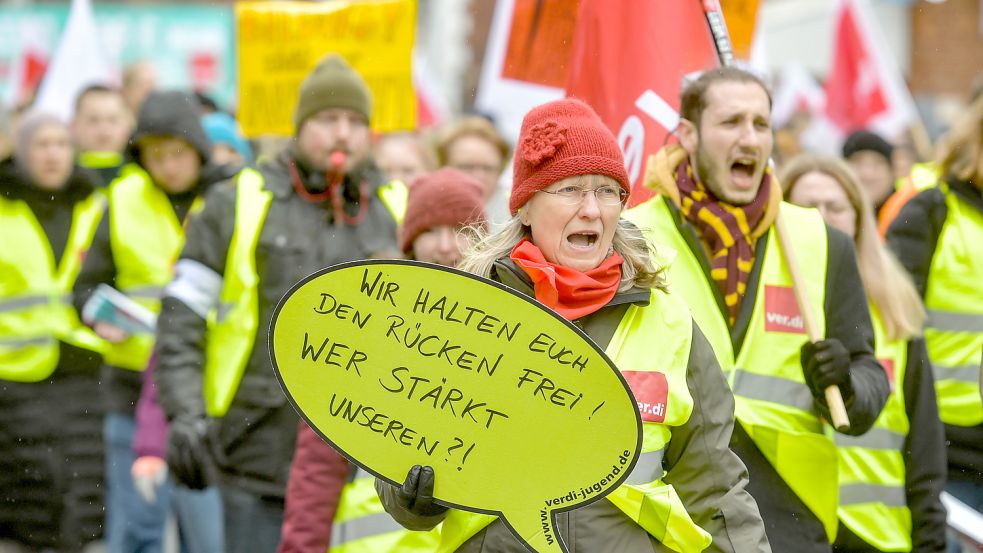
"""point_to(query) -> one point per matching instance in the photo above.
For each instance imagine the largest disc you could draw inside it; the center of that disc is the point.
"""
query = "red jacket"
(317, 477)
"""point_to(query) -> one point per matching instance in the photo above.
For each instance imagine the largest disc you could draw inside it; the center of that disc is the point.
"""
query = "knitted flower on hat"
(562, 139)
(542, 141)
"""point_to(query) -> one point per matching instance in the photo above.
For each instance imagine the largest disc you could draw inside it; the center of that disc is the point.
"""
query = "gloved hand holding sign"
(405, 367)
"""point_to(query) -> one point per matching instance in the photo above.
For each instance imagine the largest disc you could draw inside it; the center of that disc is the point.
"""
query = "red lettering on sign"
(781, 312)
(651, 391)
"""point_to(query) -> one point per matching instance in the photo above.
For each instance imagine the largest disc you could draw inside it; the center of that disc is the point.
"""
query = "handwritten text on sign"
(281, 42)
(401, 363)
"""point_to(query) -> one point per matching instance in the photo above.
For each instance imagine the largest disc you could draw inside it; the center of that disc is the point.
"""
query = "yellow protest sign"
(280, 42)
(399, 363)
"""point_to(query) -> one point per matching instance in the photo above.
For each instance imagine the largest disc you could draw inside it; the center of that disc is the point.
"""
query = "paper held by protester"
(401, 363)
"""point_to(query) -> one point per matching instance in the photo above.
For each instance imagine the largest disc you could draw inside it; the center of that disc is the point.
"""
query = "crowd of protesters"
(177, 437)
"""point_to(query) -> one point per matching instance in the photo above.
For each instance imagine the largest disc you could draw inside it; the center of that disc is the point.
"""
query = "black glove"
(826, 363)
(416, 494)
(187, 452)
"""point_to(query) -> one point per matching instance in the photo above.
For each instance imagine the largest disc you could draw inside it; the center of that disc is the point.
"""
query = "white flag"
(79, 61)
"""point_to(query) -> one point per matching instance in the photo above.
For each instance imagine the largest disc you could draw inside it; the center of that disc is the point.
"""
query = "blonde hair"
(471, 125)
(889, 287)
(960, 151)
(638, 270)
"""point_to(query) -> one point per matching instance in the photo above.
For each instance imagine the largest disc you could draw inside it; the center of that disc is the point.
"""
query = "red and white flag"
(628, 62)
(29, 66)
(864, 88)
(78, 62)
(797, 92)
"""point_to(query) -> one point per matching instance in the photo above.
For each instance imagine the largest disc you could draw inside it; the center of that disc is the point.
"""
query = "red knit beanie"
(563, 139)
(445, 197)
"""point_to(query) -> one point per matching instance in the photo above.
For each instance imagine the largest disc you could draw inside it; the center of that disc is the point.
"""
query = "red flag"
(629, 59)
(864, 89)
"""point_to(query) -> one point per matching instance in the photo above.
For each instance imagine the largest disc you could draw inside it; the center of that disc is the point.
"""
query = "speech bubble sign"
(401, 363)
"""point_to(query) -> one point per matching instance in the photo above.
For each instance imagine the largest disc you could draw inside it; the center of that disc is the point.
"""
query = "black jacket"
(173, 114)
(122, 386)
(253, 444)
(51, 468)
(792, 526)
(914, 236)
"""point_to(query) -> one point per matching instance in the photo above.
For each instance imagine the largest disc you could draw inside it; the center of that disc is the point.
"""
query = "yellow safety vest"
(100, 160)
(873, 501)
(362, 524)
(773, 402)
(644, 497)
(146, 237)
(954, 301)
(395, 194)
(232, 325)
(36, 310)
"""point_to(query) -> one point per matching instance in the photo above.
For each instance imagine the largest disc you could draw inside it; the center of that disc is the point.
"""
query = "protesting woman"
(567, 247)
(890, 477)
(51, 469)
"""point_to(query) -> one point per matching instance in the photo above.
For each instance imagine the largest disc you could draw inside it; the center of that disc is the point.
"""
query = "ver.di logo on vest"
(651, 391)
(781, 311)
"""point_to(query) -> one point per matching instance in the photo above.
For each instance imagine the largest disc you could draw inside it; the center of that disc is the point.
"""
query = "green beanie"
(332, 84)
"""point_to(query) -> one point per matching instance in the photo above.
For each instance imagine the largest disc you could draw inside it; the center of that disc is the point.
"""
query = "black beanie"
(859, 141)
(332, 84)
(174, 114)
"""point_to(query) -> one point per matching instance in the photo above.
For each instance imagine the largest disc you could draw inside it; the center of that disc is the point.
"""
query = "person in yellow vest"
(320, 202)
(714, 217)
(567, 246)
(937, 237)
(51, 468)
(134, 251)
(891, 477)
(923, 176)
(101, 127)
(331, 504)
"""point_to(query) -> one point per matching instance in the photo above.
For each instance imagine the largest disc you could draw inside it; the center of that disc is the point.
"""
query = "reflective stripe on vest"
(36, 310)
(873, 502)
(645, 498)
(394, 195)
(146, 238)
(232, 328)
(362, 524)
(773, 403)
(954, 330)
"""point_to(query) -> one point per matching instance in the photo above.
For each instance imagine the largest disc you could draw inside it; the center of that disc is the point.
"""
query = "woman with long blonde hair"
(888, 500)
(567, 247)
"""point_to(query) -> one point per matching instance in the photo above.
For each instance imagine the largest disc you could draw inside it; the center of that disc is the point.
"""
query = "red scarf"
(725, 230)
(567, 291)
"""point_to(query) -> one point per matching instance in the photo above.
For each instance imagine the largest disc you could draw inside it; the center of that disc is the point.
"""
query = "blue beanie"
(221, 128)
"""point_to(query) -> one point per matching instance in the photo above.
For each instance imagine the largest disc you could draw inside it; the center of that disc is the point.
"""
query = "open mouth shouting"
(583, 240)
(743, 171)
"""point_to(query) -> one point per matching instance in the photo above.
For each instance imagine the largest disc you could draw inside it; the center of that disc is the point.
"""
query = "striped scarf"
(724, 230)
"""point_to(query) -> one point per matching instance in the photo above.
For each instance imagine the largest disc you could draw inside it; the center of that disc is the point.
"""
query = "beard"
(714, 178)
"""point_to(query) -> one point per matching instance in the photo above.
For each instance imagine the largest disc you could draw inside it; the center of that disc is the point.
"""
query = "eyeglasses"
(605, 195)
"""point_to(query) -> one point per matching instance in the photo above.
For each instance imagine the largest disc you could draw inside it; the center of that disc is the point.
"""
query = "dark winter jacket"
(914, 236)
(163, 114)
(708, 477)
(317, 477)
(51, 466)
(253, 443)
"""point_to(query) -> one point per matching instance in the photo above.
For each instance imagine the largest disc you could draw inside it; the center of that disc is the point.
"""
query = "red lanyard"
(335, 194)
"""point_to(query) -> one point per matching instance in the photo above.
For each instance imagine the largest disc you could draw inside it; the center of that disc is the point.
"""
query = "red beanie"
(563, 139)
(445, 197)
